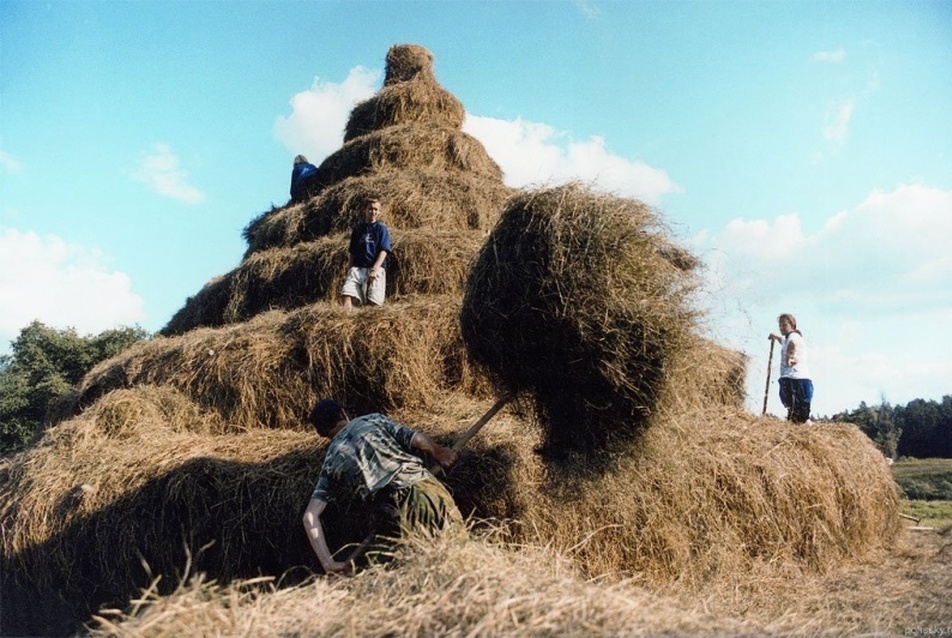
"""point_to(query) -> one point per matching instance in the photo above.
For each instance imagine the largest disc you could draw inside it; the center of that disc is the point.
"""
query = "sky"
(802, 149)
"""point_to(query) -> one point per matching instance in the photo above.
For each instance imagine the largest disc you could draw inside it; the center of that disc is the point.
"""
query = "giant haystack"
(190, 448)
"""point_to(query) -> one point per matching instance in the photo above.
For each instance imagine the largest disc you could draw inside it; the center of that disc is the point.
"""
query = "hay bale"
(284, 278)
(408, 146)
(267, 372)
(714, 493)
(575, 299)
(412, 199)
(275, 227)
(717, 494)
(407, 102)
(90, 518)
(407, 62)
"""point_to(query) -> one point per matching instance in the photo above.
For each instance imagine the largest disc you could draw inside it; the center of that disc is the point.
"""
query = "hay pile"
(192, 444)
(579, 298)
(269, 371)
(441, 193)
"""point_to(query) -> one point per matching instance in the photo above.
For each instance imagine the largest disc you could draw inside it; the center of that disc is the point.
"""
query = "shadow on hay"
(229, 520)
(224, 514)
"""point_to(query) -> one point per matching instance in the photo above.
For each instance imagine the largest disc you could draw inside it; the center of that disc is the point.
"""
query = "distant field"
(926, 486)
(924, 479)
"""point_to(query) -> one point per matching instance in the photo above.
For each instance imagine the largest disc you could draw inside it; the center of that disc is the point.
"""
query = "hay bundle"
(267, 372)
(574, 298)
(406, 102)
(414, 198)
(715, 494)
(406, 62)
(422, 262)
(712, 493)
(83, 511)
(408, 146)
(719, 492)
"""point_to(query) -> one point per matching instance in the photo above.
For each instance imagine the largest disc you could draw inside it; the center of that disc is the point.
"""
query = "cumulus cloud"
(315, 127)
(160, 170)
(530, 153)
(876, 274)
(836, 55)
(61, 284)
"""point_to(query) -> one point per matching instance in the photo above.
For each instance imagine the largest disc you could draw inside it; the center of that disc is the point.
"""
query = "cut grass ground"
(926, 486)
(937, 514)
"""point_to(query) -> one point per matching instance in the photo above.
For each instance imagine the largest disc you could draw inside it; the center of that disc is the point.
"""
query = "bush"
(45, 366)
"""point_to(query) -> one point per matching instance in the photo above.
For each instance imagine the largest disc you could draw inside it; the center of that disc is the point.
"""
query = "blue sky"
(803, 149)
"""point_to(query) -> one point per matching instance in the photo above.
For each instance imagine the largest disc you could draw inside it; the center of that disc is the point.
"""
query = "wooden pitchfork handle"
(436, 469)
(769, 366)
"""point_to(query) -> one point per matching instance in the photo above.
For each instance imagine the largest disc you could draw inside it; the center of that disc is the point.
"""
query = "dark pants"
(796, 395)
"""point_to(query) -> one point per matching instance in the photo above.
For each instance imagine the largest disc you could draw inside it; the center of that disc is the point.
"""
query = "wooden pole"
(769, 365)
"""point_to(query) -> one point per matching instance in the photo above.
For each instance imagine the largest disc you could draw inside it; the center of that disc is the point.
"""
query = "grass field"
(927, 490)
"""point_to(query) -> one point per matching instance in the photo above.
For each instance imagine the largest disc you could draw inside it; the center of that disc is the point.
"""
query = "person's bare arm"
(375, 268)
(445, 456)
(315, 534)
(791, 353)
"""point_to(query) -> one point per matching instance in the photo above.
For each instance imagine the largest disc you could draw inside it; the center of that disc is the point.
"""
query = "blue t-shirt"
(366, 241)
(300, 175)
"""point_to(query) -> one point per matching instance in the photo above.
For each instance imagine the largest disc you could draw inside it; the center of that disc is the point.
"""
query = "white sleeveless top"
(801, 369)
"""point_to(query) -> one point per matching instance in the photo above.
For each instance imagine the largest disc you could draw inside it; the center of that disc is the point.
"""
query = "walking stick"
(769, 365)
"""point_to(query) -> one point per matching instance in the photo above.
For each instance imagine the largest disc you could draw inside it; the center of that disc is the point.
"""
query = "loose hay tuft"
(574, 298)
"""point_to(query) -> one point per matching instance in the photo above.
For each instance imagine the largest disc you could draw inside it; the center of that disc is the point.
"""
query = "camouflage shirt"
(368, 454)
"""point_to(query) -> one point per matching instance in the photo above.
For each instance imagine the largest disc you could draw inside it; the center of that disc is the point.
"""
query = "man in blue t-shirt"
(302, 179)
(366, 280)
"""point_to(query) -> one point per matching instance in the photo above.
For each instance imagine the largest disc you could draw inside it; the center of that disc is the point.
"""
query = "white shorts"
(357, 285)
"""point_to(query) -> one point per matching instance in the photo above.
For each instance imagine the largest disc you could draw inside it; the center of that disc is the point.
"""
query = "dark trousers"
(796, 395)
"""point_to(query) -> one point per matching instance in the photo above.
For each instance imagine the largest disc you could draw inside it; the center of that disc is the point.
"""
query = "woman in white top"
(796, 387)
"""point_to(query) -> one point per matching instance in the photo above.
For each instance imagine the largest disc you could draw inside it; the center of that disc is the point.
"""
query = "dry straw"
(194, 445)
(406, 102)
(268, 371)
(412, 199)
(422, 263)
(575, 298)
(420, 145)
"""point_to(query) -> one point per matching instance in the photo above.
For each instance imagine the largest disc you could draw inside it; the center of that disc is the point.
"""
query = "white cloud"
(319, 115)
(838, 122)
(159, 169)
(837, 55)
(871, 289)
(532, 153)
(63, 285)
(529, 153)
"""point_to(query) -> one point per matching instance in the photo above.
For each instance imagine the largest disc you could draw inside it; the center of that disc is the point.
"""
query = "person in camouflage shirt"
(372, 459)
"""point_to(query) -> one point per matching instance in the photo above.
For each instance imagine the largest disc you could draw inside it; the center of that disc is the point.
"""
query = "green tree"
(878, 423)
(45, 366)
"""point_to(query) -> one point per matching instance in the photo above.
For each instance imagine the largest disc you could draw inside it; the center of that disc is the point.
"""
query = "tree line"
(921, 428)
(47, 364)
